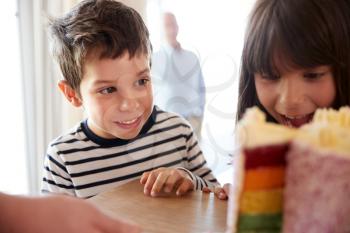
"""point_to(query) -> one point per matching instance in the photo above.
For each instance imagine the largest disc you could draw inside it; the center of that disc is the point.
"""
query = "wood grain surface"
(192, 213)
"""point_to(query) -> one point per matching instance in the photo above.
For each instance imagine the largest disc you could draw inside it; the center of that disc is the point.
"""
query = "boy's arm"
(197, 168)
(56, 178)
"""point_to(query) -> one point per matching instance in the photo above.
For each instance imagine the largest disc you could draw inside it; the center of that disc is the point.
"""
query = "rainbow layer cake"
(293, 180)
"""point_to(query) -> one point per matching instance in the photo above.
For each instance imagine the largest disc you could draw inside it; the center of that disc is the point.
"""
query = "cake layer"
(265, 156)
(317, 191)
(263, 178)
(261, 202)
(259, 222)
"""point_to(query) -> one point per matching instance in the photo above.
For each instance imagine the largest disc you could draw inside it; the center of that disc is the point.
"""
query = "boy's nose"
(128, 104)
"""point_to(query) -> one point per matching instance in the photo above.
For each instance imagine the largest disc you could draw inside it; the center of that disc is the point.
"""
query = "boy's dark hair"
(105, 27)
(305, 33)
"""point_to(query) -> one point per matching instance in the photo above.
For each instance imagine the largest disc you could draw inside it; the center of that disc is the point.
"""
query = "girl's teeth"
(296, 117)
(297, 121)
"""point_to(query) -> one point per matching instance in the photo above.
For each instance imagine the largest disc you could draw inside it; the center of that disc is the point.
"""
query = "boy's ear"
(71, 95)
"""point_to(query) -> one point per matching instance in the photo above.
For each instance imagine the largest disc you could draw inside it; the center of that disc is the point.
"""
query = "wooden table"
(193, 213)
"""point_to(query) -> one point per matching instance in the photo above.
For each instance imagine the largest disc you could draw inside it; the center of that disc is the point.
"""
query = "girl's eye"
(271, 77)
(142, 82)
(313, 75)
(108, 90)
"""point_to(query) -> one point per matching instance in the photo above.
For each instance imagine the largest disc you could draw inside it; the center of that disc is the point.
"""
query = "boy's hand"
(221, 193)
(167, 180)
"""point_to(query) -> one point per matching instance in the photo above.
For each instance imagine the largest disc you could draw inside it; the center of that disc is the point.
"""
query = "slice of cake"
(286, 177)
(317, 189)
(260, 172)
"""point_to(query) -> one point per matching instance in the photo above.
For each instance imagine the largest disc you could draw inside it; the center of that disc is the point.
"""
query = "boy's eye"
(142, 82)
(313, 75)
(108, 90)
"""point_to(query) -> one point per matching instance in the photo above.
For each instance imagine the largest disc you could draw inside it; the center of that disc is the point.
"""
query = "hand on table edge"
(221, 193)
(167, 180)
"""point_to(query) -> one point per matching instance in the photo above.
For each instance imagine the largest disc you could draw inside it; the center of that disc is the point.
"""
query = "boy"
(103, 50)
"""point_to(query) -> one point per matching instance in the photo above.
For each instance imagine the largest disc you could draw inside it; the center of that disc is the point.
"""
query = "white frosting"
(253, 130)
(332, 117)
(330, 129)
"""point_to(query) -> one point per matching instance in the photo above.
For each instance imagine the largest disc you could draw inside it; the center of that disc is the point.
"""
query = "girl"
(296, 58)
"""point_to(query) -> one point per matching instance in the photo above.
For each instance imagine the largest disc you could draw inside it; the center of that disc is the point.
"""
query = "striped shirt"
(82, 164)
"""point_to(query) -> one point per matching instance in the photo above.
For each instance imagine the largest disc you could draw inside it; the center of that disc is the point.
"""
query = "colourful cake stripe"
(266, 201)
(264, 178)
(259, 222)
(261, 201)
(265, 156)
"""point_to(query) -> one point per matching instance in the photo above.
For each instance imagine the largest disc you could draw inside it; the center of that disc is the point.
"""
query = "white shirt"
(178, 81)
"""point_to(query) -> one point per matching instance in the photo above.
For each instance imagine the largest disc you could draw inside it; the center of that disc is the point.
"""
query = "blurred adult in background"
(178, 80)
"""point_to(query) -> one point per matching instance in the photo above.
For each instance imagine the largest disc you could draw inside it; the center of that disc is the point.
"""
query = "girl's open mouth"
(296, 121)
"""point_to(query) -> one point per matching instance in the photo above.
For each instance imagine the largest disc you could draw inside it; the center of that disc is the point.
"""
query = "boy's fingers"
(185, 186)
(206, 190)
(220, 193)
(172, 180)
(159, 183)
(149, 184)
(227, 188)
(144, 177)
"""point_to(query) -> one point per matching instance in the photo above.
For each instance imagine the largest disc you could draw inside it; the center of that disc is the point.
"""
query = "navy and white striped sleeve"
(197, 168)
(56, 178)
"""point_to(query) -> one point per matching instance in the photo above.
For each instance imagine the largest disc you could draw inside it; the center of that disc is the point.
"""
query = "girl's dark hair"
(304, 33)
(102, 28)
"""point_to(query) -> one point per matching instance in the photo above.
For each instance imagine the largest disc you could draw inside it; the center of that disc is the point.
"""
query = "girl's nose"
(291, 92)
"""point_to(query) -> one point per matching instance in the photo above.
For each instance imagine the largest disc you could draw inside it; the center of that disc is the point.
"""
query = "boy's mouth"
(296, 121)
(127, 124)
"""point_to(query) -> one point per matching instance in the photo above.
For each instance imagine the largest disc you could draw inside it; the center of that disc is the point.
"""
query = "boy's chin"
(128, 136)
